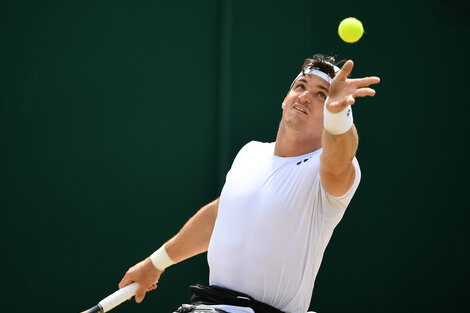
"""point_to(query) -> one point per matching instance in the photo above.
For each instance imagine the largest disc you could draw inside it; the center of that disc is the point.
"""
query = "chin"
(297, 125)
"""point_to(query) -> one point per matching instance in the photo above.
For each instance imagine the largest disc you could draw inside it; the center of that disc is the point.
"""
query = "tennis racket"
(114, 299)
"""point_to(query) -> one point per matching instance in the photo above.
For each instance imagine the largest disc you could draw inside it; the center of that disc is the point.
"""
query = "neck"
(290, 143)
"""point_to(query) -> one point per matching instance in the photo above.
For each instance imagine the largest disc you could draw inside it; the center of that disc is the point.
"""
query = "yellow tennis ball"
(350, 29)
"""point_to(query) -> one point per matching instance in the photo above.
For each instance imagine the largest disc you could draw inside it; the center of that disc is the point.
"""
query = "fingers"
(345, 70)
(364, 92)
(152, 287)
(140, 294)
(343, 90)
(366, 81)
(125, 281)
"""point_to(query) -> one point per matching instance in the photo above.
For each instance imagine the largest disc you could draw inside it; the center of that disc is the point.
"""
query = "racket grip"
(95, 309)
(118, 297)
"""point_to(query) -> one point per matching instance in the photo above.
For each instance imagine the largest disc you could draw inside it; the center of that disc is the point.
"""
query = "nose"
(305, 97)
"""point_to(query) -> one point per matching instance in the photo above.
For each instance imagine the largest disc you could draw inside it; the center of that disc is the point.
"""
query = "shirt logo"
(298, 163)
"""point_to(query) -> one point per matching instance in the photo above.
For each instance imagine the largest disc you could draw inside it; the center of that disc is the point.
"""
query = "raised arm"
(339, 145)
(191, 240)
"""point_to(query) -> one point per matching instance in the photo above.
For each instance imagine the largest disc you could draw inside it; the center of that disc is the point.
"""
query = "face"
(303, 106)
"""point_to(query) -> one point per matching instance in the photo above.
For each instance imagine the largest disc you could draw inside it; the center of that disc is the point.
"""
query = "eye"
(300, 86)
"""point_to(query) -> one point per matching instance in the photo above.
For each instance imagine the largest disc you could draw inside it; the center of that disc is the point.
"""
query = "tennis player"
(281, 201)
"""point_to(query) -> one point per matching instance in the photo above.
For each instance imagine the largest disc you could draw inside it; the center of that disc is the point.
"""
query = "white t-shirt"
(274, 222)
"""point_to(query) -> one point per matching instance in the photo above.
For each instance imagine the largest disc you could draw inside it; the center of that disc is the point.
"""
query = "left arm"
(336, 168)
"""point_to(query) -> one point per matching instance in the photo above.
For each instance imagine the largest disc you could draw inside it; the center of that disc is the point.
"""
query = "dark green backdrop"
(119, 119)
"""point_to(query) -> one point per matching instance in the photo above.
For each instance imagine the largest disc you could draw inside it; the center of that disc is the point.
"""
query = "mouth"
(296, 107)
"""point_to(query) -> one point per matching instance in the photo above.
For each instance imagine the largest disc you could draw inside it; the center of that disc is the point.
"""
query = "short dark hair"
(323, 63)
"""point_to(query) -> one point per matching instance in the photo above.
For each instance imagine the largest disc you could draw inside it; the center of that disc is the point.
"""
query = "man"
(281, 201)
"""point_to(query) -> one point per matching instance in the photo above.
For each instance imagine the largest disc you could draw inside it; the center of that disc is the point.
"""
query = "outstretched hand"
(144, 273)
(344, 90)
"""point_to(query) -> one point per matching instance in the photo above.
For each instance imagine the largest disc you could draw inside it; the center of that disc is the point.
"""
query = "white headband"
(311, 71)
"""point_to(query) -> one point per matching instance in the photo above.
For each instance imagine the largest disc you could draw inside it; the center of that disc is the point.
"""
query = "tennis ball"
(350, 29)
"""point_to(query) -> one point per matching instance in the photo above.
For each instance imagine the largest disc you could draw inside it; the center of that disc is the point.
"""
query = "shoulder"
(256, 147)
(254, 151)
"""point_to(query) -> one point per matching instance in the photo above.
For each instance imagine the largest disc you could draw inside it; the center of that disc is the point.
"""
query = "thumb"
(125, 281)
(345, 70)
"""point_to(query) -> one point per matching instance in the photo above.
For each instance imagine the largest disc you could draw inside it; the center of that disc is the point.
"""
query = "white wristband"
(337, 123)
(160, 259)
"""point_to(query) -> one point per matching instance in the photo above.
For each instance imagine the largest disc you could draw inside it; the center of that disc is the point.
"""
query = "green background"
(119, 119)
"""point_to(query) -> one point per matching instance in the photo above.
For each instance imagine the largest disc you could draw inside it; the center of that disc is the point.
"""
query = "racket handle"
(118, 297)
(114, 299)
(95, 309)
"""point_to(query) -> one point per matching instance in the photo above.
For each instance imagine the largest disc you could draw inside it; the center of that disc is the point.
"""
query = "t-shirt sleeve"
(335, 206)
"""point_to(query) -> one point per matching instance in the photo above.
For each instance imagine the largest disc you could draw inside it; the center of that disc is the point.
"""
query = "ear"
(284, 102)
